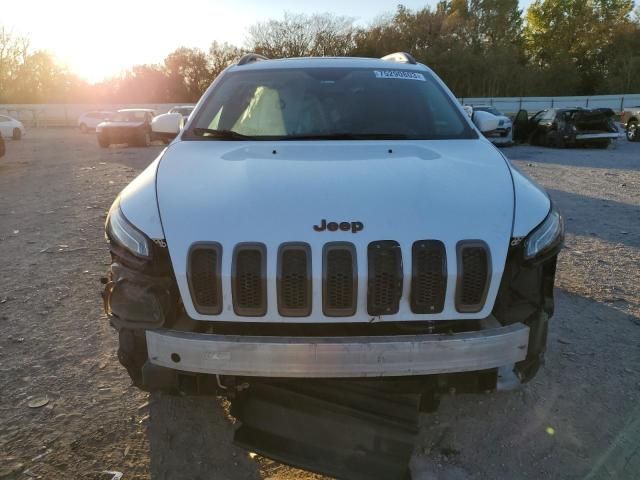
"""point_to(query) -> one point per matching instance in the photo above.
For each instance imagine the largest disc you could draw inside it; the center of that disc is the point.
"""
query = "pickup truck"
(331, 218)
(630, 120)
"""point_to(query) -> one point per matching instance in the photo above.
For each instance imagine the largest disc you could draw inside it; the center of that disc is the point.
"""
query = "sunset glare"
(97, 40)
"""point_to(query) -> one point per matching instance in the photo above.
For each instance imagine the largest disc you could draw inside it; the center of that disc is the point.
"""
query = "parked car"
(630, 120)
(567, 127)
(11, 128)
(131, 126)
(184, 110)
(2, 146)
(90, 120)
(331, 218)
(503, 135)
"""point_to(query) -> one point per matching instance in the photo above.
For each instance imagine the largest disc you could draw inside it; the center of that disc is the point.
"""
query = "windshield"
(491, 110)
(321, 103)
(184, 111)
(131, 116)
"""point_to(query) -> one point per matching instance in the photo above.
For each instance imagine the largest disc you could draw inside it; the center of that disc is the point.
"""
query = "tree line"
(480, 48)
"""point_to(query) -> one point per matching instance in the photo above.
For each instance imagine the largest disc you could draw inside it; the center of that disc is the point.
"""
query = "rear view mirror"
(485, 121)
(168, 124)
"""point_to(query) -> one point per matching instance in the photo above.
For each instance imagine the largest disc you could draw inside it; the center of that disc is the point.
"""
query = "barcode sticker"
(400, 75)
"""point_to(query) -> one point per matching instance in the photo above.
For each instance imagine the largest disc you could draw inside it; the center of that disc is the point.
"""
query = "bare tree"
(221, 55)
(299, 35)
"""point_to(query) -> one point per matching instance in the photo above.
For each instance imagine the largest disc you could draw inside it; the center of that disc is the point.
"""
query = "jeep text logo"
(355, 227)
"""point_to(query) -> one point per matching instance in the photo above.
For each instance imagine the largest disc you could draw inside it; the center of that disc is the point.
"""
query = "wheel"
(555, 139)
(17, 134)
(632, 131)
(103, 140)
(83, 128)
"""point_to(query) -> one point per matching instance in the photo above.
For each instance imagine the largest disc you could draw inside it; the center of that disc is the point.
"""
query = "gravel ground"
(580, 417)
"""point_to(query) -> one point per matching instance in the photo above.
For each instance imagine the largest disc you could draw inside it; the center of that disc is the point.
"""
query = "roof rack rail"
(400, 57)
(251, 58)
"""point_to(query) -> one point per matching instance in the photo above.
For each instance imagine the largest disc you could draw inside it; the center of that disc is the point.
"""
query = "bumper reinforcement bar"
(338, 357)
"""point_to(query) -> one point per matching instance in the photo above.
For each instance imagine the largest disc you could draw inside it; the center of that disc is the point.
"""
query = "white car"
(503, 135)
(331, 218)
(184, 110)
(90, 120)
(11, 128)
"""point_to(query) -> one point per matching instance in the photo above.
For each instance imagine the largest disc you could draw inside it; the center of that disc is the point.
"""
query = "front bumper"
(338, 357)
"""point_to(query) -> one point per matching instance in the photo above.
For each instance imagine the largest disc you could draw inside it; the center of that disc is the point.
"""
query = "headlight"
(547, 237)
(119, 230)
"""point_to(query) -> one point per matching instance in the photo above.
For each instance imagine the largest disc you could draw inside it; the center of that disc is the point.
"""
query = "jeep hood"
(275, 192)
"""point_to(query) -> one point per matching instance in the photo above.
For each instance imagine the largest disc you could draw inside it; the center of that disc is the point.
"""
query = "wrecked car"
(330, 235)
(130, 125)
(630, 120)
(567, 127)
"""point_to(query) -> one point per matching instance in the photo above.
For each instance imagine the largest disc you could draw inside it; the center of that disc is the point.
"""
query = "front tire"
(17, 134)
(103, 140)
(633, 133)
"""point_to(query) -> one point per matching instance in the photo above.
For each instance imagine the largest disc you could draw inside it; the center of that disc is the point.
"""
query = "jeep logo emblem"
(355, 227)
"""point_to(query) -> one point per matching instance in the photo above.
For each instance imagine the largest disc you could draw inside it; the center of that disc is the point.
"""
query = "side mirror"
(485, 121)
(167, 125)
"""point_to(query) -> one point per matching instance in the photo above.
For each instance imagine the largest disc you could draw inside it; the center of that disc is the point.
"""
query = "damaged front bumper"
(339, 357)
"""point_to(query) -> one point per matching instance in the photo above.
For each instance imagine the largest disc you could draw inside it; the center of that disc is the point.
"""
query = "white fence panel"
(510, 105)
(66, 115)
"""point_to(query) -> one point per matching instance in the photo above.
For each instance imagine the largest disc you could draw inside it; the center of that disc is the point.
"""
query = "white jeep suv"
(330, 218)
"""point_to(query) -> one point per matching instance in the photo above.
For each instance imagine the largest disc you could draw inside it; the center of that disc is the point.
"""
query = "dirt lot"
(580, 417)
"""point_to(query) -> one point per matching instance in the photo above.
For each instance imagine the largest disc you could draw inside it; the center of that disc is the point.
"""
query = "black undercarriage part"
(345, 429)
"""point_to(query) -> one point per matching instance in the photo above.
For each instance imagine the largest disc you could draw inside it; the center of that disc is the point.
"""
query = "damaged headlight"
(547, 237)
(119, 230)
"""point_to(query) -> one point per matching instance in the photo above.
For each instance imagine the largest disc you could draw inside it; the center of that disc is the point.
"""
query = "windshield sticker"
(400, 75)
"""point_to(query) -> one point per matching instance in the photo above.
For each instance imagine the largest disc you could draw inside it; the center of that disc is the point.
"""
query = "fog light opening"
(175, 357)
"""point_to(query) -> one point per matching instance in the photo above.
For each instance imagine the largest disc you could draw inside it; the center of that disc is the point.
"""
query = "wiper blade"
(348, 136)
(219, 134)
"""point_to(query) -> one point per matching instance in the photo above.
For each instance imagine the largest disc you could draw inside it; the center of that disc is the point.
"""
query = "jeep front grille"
(340, 282)
(249, 280)
(203, 275)
(473, 276)
(428, 276)
(385, 278)
(338, 288)
(294, 280)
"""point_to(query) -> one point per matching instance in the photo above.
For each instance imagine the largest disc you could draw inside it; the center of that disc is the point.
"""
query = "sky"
(99, 39)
